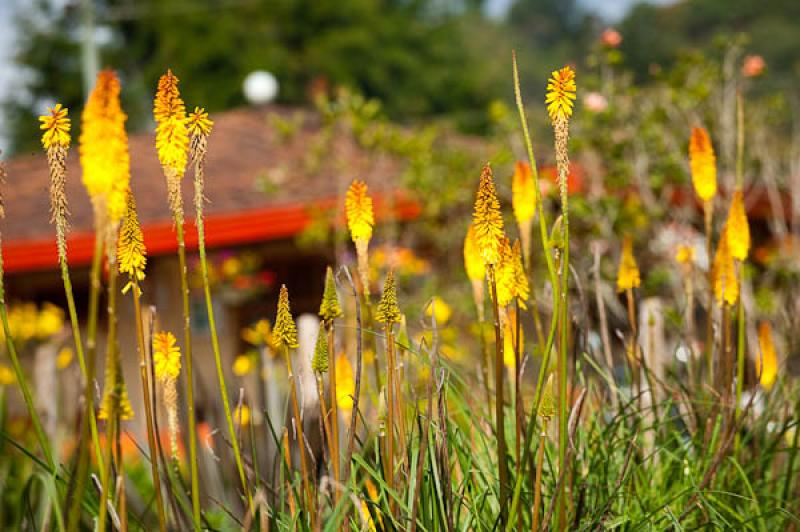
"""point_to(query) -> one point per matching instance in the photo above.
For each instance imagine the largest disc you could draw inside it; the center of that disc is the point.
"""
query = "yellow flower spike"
(166, 356)
(285, 331)
(738, 228)
(560, 97)
(198, 124)
(241, 415)
(487, 220)
(388, 311)
(319, 362)
(723, 272)
(703, 164)
(360, 220)
(330, 309)
(767, 360)
(56, 127)
(345, 383)
(172, 138)
(104, 148)
(628, 272)
(131, 253)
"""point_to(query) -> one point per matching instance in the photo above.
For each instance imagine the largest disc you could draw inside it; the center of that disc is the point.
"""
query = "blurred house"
(266, 186)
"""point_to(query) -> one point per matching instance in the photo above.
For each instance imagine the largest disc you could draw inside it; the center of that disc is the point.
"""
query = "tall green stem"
(212, 325)
(187, 340)
(301, 442)
(499, 373)
(111, 385)
(148, 406)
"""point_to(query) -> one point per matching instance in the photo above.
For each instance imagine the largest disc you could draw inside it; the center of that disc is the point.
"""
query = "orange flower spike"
(487, 220)
(104, 148)
(523, 193)
(738, 228)
(703, 164)
(360, 220)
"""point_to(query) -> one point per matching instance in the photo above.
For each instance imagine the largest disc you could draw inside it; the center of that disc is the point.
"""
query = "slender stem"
(20, 375)
(740, 357)
(187, 340)
(89, 420)
(95, 288)
(708, 210)
(564, 343)
(537, 491)
(148, 406)
(111, 385)
(298, 424)
(333, 442)
(390, 407)
(499, 374)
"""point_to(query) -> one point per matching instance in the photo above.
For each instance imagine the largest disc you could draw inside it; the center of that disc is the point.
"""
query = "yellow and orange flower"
(56, 127)
(358, 209)
(523, 193)
(473, 261)
(487, 220)
(703, 164)
(104, 148)
(131, 253)
(166, 356)
(560, 97)
(198, 123)
(738, 228)
(172, 137)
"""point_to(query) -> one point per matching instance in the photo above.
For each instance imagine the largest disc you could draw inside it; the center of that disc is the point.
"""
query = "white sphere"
(260, 87)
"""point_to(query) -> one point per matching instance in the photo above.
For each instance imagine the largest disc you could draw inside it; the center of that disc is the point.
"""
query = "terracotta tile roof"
(251, 168)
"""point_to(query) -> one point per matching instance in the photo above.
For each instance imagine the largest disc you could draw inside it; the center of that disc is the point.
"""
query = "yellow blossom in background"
(259, 334)
(56, 127)
(172, 137)
(166, 356)
(473, 261)
(561, 93)
(104, 147)
(6, 375)
(285, 331)
(358, 210)
(523, 192)
(198, 124)
(703, 164)
(738, 228)
(628, 272)
(49, 321)
(767, 360)
(487, 220)
(510, 340)
(242, 365)
(685, 254)
(241, 415)
(345, 383)
(723, 272)
(441, 310)
(131, 253)
(64, 357)
(403, 260)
